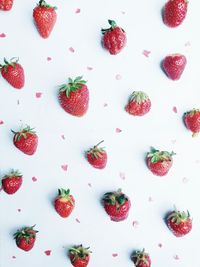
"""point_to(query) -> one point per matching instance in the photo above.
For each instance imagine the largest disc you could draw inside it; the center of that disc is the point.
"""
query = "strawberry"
(25, 238)
(117, 205)
(97, 156)
(74, 97)
(26, 140)
(114, 38)
(6, 5)
(179, 223)
(79, 256)
(45, 18)
(139, 104)
(141, 259)
(174, 12)
(174, 65)
(192, 121)
(159, 162)
(64, 203)
(13, 73)
(11, 182)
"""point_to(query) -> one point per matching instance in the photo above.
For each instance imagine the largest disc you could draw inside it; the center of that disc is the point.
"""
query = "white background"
(161, 128)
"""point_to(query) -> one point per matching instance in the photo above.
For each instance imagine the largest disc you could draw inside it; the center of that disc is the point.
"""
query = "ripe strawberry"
(117, 205)
(114, 38)
(192, 121)
(139, 104)
(159, 162)
(179, 223)
(74, 97)
(141, 259)
(97, 156)
(64, 203)
(6, 5)
(13, 73)
(174, 65)
(45, 18)
(11, 182)
(174, 12)
(25, 238)
(79, 256)
(26, 140)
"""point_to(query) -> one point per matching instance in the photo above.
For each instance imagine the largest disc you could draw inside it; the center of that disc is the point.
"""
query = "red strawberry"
(74, 97)
(192, 121)
(25, 238)
(6, 5)
(11, 182)
(13, 73)
(174, 12)
(97, 156)
(139, 104)
(45, 18)
(79, 256)
(117, 205)
(179, 223)
(64, 203)
(26, 140)
(174, 65)
(114, 38)
(159, 162)
(141, 259)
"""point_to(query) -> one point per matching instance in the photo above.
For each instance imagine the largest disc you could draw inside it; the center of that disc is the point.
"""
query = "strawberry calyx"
(42, 3)
(26, 232)
(64, 195)
(113, 25)
(79, 252)
(178, 217)
(96, 152)
(23, 132)
(13, 173)
(13, 61)
(140, 256)
(115, 198)
(139, 97)
(72, 85)
(157, 155)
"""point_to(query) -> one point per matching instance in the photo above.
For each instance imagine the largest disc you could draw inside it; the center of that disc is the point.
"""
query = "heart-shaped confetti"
(48, 252)
(34, 179)
(64, 167)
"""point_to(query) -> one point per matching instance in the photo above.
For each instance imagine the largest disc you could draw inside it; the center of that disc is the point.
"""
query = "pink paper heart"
(48, 252)
(34, 179)
(64, 167)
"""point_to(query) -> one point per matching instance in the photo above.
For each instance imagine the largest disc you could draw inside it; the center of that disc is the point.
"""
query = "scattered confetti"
(173, 141)
(115, 254)
(150, 199)
(71, 49)
(77, 10)
(62, 136)
(122, 175)
(105, 105)
(38, 94)
(118, 77)
(89, 68)
(160, 245)
(117, 130)
(175, 109)
(18, 102)
(2, 35)
(77, 220)
(13, 257)
(19, 210)
(176, 257)
(48, 252)
(188, 43)
(64, 167)
(49, 58)
(146, 53)
(123, 12)
(1, 122)
(135, 223)
(34, 179)
(185, 180)
(89, 184)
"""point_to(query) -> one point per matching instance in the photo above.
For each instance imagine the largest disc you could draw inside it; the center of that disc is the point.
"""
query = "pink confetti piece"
(118, 77)
(160, 245)
(174, 109)
(146, 53)
(38, 94)
(64, 167)
(47, 252)
(89, 68)
(2, 35)
(1, 122)
(185, 180)
(135, 223)
(13, 257)
(34, 179)
(150, 199)
(77, 220)
(19, 210)
(176, 257)
(78, 10)
(188, 43)
(49, 58)
(89, 184)
(115, 255)
(71, 49)
(122, 175)
(117, 130)
(62, 136)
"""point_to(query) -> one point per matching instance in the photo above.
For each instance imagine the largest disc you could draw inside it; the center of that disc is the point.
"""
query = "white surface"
(126, 150)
